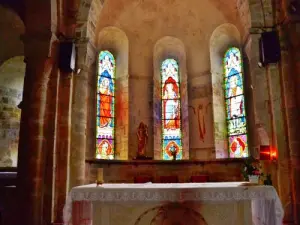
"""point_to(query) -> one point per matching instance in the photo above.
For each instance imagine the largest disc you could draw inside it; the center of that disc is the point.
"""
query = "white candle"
(100, 175)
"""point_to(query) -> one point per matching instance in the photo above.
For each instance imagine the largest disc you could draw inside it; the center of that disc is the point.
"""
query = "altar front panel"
(191, 213)
(182, 203)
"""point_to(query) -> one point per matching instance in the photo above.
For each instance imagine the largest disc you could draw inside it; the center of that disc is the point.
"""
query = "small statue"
(142, 135)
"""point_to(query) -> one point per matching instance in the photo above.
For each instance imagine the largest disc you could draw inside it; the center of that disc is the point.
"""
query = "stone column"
(31, 160)
(289, 75)
(63, 144)
(260, 92)
(79, 115)
(50, 135)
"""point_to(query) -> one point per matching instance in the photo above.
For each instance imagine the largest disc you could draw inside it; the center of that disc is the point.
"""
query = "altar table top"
(179, 192)
(223, 191)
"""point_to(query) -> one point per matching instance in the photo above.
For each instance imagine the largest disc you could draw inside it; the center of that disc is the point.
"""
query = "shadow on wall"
(11, 88)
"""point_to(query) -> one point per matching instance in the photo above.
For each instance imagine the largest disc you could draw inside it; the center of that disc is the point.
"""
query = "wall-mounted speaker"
(67, 56)
(269, 48)
(294, 7)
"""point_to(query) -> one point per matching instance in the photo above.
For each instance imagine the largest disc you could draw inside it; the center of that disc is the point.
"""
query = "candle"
(100, 175)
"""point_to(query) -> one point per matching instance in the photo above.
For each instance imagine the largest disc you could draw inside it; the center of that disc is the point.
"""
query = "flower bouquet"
(252, 170)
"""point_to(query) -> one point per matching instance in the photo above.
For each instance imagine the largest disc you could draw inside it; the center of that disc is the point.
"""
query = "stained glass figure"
(235, 104)
(171, 110)
(105, 106)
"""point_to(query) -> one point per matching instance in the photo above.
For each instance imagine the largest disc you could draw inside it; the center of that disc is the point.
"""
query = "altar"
(226, 203)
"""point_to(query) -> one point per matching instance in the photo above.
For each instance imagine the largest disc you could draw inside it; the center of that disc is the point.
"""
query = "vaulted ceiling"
(192, 21)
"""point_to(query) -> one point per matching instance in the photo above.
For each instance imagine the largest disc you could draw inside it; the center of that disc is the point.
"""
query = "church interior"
(156, 92)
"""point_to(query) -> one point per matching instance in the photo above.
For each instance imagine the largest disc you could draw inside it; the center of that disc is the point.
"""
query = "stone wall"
(12, 70)
(11, 89)
(10, 125)
(193, 27)
(126, 172)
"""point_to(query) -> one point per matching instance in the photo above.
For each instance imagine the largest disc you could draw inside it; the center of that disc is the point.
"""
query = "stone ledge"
(164, 162)
(8, 169)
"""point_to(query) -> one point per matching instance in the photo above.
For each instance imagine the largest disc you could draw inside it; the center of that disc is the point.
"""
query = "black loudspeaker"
(67, 56)
(269, 48)
(294, 8)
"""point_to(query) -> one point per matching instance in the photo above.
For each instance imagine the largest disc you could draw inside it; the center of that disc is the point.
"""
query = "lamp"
(264, 152)
(267, 153)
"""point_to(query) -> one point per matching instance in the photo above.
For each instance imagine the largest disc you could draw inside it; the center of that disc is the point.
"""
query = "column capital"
(85, 42)
(86, 52)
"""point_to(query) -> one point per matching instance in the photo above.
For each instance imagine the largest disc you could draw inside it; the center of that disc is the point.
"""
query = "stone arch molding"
(14, 28)
(85, 32)
(12, 71)
(169, 47)
(223, 37)
(255, 13)
(260, 12)
(115, 40)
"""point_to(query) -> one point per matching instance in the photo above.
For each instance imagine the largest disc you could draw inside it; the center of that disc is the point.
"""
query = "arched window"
(105, 134)
(235, 104)
(171, 110)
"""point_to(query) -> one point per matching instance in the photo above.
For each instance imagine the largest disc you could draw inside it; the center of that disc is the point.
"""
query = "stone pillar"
(31, 161)
(260, 92)
(279, 138)
(289, 74)
(63, 143)
(79, 117)
(50, 135)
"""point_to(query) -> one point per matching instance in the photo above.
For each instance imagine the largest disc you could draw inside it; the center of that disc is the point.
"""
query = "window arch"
(171, 109)
(235, 104)
(105, 123)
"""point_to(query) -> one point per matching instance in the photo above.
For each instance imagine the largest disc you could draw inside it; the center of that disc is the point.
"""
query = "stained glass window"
(171, 110)
(235, 104)
(105, 106)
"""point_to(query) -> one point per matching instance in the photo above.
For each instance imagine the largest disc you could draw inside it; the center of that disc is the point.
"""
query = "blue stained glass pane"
(105, 106)
(235, 104)
(170, 146)
(232, 62)
(107, 64)
(234, 85)
(171, 109)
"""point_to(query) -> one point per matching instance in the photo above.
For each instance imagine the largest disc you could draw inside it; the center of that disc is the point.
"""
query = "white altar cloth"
(265, 206)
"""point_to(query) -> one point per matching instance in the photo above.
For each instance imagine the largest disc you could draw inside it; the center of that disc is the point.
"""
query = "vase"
(253, 179)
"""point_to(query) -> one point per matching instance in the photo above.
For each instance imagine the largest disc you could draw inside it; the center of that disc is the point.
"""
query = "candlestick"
(100, 179)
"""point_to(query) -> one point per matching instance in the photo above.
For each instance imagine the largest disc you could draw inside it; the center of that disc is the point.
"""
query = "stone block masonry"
(9, 125)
